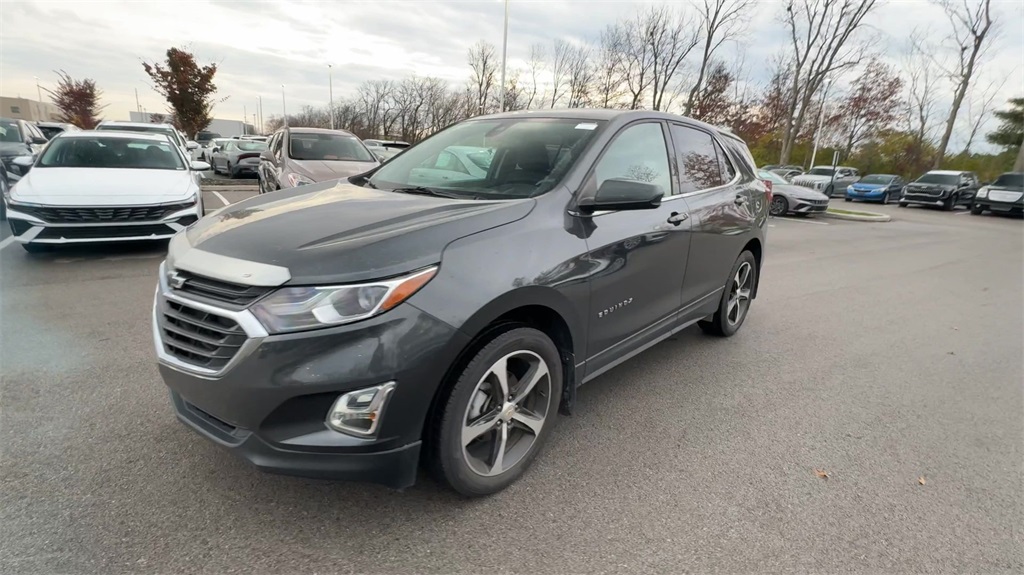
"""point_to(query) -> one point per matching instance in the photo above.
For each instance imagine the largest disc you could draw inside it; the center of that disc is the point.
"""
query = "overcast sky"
(261, 45)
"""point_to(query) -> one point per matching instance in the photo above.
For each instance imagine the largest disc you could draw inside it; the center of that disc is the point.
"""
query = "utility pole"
(504, 54)
(245, 114)
(1018, 166)
(260, 105)
(330, 88)
(138, 107)
(821, 119)
(284, 108)
(39, 91)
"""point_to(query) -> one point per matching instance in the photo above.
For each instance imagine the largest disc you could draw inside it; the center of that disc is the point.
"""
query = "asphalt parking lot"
(887, 356)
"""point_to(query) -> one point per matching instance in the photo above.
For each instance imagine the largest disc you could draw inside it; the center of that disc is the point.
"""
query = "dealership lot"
(885, 355)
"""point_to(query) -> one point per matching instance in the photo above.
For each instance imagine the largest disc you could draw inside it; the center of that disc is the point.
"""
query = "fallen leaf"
(950, 353)
(921, 480)
(821, 473)
(956, 329)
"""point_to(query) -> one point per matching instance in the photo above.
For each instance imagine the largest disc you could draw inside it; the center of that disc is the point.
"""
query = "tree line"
(827, 91)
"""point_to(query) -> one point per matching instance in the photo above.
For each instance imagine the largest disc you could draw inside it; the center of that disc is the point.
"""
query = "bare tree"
(535, 65)
(918, 69)
(581, 76)
(972, 24)
(375, 99)
(872, 105)
(821, 33)
(608, 73)
(637, 59)
(484, 65)
(979, 105)
(559, 69)
(670, 41)
(720, 21)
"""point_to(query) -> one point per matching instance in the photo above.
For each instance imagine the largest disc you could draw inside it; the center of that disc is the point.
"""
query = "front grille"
(1001, 196)
(66, 215)
(199, 338)
(220, 291)
(100, 232)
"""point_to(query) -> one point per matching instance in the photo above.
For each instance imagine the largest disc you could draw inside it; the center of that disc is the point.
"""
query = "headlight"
(849, 188)
(299, 308)
(983, 192)
(297, 180)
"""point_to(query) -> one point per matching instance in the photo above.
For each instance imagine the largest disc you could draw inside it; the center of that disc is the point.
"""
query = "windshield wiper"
(424, 191)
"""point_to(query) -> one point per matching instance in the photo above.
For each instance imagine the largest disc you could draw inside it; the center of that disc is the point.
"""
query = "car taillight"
(768, 190)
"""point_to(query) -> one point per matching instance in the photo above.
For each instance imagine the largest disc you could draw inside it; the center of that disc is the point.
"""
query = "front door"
(638, 257)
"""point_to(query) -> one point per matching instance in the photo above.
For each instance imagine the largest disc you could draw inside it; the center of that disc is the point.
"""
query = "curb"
(866, 217)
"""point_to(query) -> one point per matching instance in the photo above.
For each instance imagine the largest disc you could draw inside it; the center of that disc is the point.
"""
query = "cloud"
(259, 46)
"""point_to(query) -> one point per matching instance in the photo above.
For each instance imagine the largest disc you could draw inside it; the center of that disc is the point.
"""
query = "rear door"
(722, 214)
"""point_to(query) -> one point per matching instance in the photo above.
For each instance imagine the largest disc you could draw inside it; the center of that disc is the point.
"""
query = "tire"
(231, 173)
(950, 204)
(37, 248)
(902, 204)
(260, 185)
(829, 191)
(469, 468)
(724, 323)
(848, 199)
(779, 206)
(977, 210)
(885, 199)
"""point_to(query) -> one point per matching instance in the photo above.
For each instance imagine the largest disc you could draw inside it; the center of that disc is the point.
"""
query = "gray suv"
(301, 156)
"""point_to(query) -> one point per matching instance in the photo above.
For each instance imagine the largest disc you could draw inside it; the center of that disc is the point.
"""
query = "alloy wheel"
(739, 294)
(778, 207)
(506, 413)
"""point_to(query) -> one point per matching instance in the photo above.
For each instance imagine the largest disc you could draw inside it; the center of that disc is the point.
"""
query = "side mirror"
(267, 155)
(199, 166)
(191, 145)
(623, 195)
(23, 161)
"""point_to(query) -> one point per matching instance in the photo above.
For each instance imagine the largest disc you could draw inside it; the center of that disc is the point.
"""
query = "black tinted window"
(1010, 180)
(728, 172)
(639, 154)
(698, 162)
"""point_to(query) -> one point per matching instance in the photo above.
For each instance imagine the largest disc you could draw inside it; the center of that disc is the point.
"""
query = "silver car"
(790, 199)
(237, 157)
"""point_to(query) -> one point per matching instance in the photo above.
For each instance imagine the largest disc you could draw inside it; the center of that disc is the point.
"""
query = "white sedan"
(104, 187)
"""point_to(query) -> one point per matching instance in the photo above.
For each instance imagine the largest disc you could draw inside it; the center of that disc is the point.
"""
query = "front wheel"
(735, 303)
(779, 206)
(902, 204)
(499, 412)
(949, 204)
(848, 199)
(977, 210)
(885, 199)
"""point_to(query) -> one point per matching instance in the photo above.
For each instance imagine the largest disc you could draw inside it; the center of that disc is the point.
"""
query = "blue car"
(875, 188)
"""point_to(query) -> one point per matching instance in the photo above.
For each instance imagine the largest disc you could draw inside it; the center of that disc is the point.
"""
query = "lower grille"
(199, 338)
(97, 232)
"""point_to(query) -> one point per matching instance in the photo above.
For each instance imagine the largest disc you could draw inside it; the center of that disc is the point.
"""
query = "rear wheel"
(735, 303)
(779, 206)
(500, 411)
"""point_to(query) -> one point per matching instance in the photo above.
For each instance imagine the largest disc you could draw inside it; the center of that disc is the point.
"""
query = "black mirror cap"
(37, 140)
(623, 195)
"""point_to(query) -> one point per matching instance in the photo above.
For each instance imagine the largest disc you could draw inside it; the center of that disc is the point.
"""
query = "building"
(31, 110)
(225, 128)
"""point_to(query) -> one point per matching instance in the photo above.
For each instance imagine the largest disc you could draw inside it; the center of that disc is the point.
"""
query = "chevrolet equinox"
(354, 328)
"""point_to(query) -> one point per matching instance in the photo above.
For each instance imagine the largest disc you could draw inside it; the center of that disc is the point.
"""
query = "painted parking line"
(6, 242)
(222, 199)
(803, 221)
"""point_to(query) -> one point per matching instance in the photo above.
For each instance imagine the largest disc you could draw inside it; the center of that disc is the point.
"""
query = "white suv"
(165, 129)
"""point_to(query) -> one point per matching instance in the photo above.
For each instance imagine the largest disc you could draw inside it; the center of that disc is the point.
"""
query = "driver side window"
(638, 154)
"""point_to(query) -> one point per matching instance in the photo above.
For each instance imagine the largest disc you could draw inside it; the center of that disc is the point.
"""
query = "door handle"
(740, 200)
(676, 218)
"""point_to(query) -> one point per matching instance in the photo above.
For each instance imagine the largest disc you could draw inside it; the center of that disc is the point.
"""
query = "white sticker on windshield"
(586, 126)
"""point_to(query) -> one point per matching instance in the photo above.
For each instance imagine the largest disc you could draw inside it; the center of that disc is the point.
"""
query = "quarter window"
(639, 154)
(699, 167)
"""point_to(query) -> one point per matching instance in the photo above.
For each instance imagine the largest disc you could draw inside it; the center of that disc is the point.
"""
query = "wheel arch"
(754, 246)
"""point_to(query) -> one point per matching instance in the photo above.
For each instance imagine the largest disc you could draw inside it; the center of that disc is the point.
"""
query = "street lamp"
(284, 108)
(39, 91)
(330, 88)
(504, 53)
(260, 106)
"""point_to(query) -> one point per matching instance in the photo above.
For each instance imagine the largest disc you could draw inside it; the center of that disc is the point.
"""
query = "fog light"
(359, 412)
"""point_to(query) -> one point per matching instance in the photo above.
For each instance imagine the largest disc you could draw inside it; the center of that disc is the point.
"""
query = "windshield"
(876, 179)
(771, 177)
(104, 152)
(944, 179)
(511, 158)
(9, 132)
(324, 146)
(143, 130)
(50, 131)
(1010, 180)
(820, 172)
(251, 145)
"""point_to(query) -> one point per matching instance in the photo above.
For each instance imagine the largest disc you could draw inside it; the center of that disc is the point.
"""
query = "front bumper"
(805, 206)
(995, 206)
(876, 195)
(925, 199)
(29, 227)
(269, 403)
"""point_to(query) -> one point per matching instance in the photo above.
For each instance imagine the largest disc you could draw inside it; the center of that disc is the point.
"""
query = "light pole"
(260, 106)
(504, 54)
(245, 114)
(821, 119)
(330, 89)
(284, 108)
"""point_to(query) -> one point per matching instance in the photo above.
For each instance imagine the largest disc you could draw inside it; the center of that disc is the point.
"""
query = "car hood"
(103, 186)
(11, 149)
(799, 192)
(333, 233)
(322, 170)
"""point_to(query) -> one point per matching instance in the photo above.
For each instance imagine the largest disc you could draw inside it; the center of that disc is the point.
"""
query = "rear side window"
(699, 167)
(728, 172)
(639, 154)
